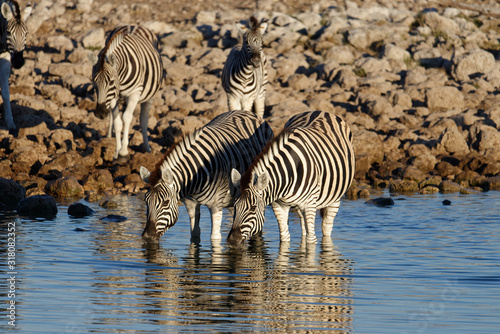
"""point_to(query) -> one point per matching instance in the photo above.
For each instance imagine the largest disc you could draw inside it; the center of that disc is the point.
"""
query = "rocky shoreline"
(418, 85)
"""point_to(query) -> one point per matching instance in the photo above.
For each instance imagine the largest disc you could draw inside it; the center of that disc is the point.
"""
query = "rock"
(108, 204)
(100, 180)
(441, 24)
(11, 193)
(446, 202)
(94, 38)
(453, 142)
(449, 187)
(473, 62)
(444, 98)
(403, 186)
(79, 210)
(114, 218)
(381, 201)
(67, 186)
(43, 206)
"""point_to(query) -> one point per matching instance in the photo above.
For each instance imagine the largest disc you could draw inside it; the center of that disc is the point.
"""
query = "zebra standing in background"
(309, 166)
(197, 170)
(13, 33)
(129, 66)
(244, 76)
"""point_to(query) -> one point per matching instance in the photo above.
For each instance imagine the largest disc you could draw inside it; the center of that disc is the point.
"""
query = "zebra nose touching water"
(244, 76)
(308, 166)
(197, 170)
(129, 66)
(13, 34)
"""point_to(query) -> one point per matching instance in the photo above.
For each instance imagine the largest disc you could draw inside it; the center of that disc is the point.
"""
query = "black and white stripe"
(129, 66)
(244, 76)
(197, 171)
(13, 34)
(309, 166)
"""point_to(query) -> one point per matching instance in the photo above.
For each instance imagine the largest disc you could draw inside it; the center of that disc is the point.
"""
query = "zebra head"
(248, 208)
(161, 202)
(16, 31)
(106, 83)
(252, 39)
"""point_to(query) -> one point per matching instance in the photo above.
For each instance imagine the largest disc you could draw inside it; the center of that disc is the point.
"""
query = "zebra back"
(202, 161)
(312, 156)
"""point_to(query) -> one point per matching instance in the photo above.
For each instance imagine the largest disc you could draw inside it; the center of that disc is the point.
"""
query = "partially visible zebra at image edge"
(129, 66)
(197, 170)
(13, 32)
(308, 166)
(244, 76)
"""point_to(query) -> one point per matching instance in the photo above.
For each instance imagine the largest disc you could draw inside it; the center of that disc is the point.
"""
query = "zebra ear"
(241, 27)
(93, 58)
(27, 12)
(6, 11)
(235, 178)
(262, 181)
(145, 174)
(111, 59)
(262, 27)
(166, 174)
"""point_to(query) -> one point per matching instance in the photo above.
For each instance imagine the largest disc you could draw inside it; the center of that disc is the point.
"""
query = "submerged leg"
(310, 215)
(216, 223)
(193, 209)
(281, 213)
(328, 215)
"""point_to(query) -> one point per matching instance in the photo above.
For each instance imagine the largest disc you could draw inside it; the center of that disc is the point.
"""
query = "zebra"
(244, 76)
(13, 33)
(197, 170)
(129, 66)
(308, 166)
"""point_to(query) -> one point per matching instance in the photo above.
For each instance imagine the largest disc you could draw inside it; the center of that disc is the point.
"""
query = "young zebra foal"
(244, 76)
(309, 166)
(197, 171)
(129, 66)
(13, 33)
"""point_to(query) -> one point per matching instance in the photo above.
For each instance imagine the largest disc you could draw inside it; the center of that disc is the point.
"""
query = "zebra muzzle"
(101, 111)
(235, 238)
(17, 60)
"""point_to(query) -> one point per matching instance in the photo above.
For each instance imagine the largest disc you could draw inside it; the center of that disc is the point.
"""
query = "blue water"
(415, 267)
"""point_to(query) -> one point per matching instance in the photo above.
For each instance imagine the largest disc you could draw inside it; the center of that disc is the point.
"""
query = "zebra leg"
(4, 86)
(310, 215)
(193, 209)
(128, 114)
(259, 105)
(234, 103)
(118, 125)
(145, 107)
(216, 223)
(328, 215)
(110, 128)
(302, 222)
(281, 213)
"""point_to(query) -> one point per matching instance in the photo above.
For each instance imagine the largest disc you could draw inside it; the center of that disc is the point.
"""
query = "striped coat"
(129, 66)
(13, 34)
(197, 171)
(244, 76)
(309, 166)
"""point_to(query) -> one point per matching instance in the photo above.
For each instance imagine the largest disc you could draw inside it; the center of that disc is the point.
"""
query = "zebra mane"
(17, 11)
(111, 45)
(246, 179)
(187, 141)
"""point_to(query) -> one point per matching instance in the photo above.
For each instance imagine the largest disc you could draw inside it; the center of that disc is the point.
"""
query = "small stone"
(43, 206)
(446, 202)
(79, 210)
(381, 201)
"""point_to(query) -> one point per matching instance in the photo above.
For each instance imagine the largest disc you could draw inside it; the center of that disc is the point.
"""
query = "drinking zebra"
(129, 66)
(13, 33)
(197, 171)
(244, 76)
(309, 166)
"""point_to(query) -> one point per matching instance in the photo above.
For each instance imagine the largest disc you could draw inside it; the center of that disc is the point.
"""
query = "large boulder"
(67, 186)
(11, 193)
(38, 206)
(475, 61)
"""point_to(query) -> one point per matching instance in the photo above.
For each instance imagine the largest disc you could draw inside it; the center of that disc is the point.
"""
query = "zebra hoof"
(121, 159)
